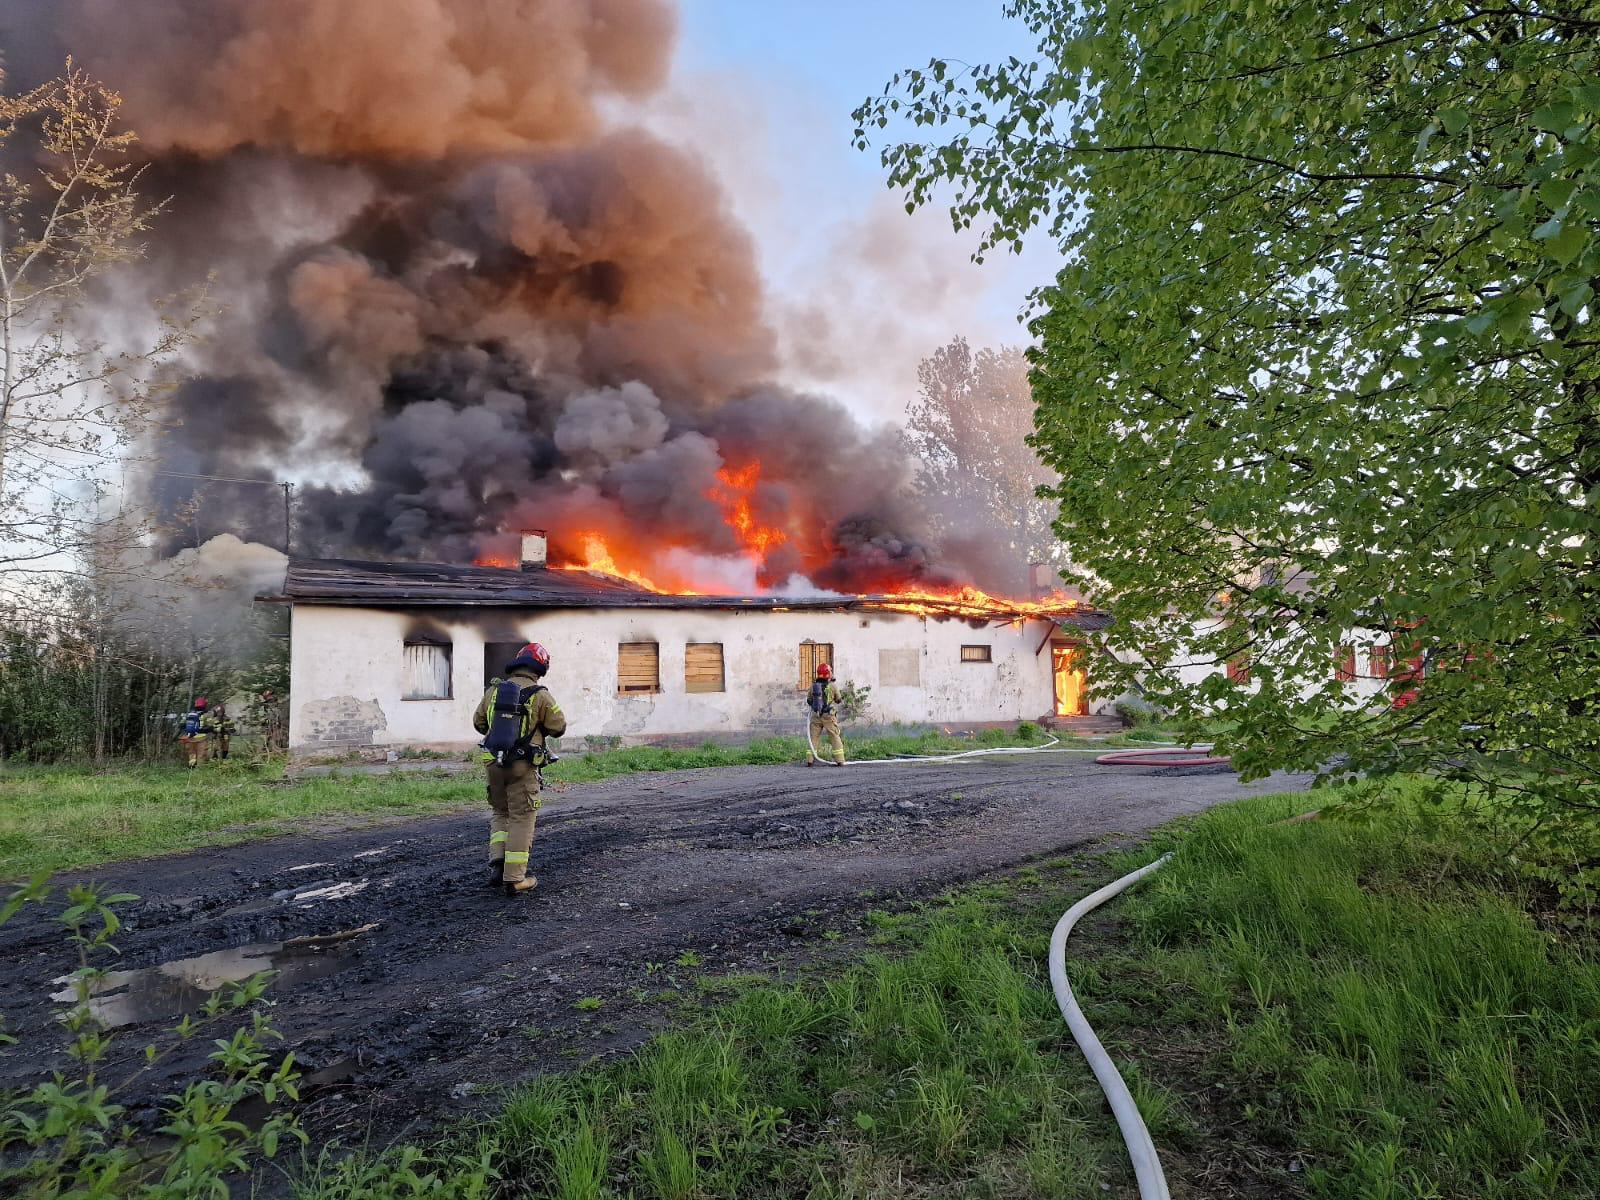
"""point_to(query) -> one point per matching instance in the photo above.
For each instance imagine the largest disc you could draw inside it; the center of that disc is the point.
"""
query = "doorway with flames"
(1071, 684)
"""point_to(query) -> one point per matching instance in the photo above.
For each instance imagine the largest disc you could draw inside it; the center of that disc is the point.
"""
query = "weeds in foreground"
(69, 1136)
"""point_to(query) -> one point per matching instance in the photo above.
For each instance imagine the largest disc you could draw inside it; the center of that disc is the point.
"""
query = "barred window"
(977, 654)
(638, 668)
(702, 667)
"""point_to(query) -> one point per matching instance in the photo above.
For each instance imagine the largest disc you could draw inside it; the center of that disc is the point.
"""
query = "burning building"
(466, 285)
(398, 654)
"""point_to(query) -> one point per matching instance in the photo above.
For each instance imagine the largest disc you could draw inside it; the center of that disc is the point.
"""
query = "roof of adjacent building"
(352, 582)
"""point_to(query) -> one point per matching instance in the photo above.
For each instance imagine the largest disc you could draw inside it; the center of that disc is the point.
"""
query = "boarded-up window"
(1379, 659)
(638, 668)
(702, 667)
(976, 654)
(1239, 669)
(900, 668)
(811, 655)
(425, 673)
(1344, 664)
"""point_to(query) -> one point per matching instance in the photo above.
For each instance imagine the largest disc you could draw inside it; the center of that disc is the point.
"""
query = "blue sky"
(765, 91)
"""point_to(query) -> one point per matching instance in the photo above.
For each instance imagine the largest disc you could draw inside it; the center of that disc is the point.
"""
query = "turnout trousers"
(826, 723)
(514, 799)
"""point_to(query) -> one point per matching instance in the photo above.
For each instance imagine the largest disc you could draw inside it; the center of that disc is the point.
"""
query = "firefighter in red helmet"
(516, 715)
(823, 701)
(199, 726)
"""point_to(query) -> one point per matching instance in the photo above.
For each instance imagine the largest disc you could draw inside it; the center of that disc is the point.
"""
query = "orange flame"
(594, 554)
(494, 560)
(732, 495)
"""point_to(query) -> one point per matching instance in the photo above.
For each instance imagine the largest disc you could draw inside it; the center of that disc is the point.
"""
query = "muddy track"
(450, 988)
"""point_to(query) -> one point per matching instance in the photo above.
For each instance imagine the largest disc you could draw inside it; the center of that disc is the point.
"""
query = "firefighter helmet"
(199, 701)
(824, 671)
(533, 656)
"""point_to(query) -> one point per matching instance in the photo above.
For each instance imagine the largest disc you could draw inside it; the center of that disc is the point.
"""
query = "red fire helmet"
(532, 655)
(824, 671)
(199, 701)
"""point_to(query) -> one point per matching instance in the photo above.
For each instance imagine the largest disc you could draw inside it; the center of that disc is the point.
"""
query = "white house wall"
(1364, 689)
(347, 665)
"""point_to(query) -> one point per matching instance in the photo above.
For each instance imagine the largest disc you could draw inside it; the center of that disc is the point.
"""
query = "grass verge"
(58, 818)
(1313, 1009)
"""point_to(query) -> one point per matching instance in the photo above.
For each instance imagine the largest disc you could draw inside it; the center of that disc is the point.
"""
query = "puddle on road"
(185, 984)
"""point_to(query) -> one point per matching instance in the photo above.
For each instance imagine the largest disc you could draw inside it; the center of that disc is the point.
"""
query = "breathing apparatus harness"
(511, 729)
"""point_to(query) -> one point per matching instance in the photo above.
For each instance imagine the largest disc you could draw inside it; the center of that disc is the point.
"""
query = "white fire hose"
(1141, 1149)
(981, 752)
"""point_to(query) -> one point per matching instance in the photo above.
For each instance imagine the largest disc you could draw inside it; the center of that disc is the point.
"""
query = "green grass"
(56, 818)
(939, 1071)
(606, 764)
(1371, 1000)
(1383, 1000)
(62, 817)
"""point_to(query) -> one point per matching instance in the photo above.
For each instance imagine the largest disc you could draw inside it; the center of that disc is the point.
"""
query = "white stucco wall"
(1364, 689)
(345, 683)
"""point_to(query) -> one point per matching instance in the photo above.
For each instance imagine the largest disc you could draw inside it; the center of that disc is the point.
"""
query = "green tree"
(968, 428)
(1329, 310)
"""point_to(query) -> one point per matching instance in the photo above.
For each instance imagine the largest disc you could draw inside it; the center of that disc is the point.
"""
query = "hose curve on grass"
(1141, 1149)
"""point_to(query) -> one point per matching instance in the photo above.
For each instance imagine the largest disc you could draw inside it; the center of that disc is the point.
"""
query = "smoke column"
(457, 279)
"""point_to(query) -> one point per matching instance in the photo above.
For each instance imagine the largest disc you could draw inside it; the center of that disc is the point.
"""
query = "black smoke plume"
(459, 284)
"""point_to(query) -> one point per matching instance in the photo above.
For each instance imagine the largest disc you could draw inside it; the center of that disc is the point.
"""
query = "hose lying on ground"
(1178, 756)
(1049, 747)
(1186, 757)
(1141, 1149)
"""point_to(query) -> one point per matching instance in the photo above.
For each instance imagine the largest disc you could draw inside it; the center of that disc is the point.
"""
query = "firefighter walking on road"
(823, 701)
(516, 715)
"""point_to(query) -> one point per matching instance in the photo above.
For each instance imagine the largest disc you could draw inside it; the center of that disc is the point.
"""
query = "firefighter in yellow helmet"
(515, 716)
(823, 701)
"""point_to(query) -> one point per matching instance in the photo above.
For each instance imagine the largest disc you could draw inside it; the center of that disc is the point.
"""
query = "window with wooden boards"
(638, 668)
(702, 667)
(812, 654)
(1239, 669)
(979, 654)
(1344, 664)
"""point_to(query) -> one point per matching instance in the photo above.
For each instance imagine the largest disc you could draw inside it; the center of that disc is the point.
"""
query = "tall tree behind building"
(969, 427)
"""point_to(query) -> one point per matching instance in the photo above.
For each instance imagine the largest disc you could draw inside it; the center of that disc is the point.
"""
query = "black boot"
(497, 873)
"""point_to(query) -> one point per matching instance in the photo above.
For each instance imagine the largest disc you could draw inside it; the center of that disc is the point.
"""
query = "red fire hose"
(1181, 756)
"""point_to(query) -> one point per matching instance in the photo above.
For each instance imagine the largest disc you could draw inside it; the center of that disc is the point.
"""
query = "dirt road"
(448, 986)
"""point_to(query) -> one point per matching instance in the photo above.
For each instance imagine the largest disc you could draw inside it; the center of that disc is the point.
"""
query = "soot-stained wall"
(345, 658)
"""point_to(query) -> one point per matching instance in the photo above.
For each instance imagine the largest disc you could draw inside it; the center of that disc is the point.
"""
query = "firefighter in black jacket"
(514, 772)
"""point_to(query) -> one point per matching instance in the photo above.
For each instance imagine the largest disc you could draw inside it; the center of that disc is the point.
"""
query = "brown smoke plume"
(459, 278)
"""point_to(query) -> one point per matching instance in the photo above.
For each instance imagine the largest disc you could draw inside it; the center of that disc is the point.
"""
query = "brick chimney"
(533, 549)
(1041, 580)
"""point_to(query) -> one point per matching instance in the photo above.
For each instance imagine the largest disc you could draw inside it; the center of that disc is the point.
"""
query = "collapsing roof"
(343, 581)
